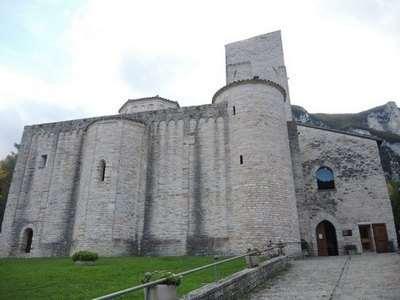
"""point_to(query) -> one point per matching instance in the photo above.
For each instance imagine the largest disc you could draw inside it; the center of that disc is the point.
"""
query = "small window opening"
(347, 232)
(102, 170)
(27, 240)
(241, 159)
(233, 110)
(43, 161)
(256, 77)
(325, 178)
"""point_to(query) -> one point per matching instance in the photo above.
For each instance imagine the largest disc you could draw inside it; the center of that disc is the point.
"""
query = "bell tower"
(259, 57)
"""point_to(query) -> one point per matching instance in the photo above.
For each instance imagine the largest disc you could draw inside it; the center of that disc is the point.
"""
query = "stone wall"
(238, 285)
(360, 195)
(297, 163)
(165, 189)
(186, 199)
(41, 194)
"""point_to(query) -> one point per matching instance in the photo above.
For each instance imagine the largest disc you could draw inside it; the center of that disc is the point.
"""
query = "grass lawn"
(59, 278)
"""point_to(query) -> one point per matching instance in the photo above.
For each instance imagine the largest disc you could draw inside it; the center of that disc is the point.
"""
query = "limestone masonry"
(160, 179)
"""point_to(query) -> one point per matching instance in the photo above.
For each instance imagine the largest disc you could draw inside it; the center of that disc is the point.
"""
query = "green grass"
(59, 278)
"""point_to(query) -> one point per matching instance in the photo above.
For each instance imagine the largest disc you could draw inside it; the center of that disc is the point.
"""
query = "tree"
(6, 171)
(394, 192)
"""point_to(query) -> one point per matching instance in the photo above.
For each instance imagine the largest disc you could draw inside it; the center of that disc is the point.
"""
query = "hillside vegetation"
(6, 171)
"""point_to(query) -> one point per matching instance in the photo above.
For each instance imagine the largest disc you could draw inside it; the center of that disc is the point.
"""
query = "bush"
(305, 246)
(171, 278)
(85, 256)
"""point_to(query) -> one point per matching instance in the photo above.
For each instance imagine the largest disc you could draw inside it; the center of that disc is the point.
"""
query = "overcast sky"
(72, 59)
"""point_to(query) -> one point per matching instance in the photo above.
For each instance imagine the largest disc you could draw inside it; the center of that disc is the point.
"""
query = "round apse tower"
(111, 189)
(262, 204)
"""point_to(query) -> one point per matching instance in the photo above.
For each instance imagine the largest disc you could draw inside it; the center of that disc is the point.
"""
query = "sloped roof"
(340, 131)
(157, 97)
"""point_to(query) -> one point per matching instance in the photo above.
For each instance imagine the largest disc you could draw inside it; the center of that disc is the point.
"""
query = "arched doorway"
(326, 239)
(27, 240)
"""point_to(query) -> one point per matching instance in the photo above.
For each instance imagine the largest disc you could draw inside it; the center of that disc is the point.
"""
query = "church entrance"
(326, 239)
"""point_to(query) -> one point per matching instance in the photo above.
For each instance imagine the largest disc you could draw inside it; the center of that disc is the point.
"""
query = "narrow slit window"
(43, 161)
(233, 110)
(241, 159)
(102, 170)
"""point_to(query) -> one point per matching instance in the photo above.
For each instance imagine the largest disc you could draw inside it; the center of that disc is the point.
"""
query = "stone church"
(160, 179)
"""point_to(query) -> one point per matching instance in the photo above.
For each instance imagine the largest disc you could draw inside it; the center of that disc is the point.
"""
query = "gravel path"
(366, 277)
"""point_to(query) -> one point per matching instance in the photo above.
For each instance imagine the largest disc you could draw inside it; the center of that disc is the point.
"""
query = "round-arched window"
(325, 178)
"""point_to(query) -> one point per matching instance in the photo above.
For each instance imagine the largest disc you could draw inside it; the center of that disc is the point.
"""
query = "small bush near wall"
(394, 192)
(85, 256)
(171, 278)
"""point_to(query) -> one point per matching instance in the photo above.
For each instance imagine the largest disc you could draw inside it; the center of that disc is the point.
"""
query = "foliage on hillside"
(355, 121)
(394, 192)
(389, 137)
(6, 170)
(343, 121)
(348, 121)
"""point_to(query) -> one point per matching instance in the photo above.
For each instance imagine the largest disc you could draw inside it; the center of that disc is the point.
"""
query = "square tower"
(260, 57)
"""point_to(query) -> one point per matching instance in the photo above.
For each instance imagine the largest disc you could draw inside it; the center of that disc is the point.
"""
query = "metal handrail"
(148, 284)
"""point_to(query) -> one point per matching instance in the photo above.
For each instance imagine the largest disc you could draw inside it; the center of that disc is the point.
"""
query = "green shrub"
(304, 245)
(85, 256)
(171, 278)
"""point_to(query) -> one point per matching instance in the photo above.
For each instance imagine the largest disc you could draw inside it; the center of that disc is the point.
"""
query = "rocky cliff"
(382, 122)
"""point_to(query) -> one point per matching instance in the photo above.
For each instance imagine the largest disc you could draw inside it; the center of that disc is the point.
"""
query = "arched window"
(325, 178)
(102, 170)
(27, 240)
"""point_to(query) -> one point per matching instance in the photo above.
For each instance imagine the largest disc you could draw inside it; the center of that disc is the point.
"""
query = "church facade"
(160, 179)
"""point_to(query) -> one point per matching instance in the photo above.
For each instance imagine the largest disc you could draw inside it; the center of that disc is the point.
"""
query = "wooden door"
(381, 238)
(365, 236)
(326, 239)
(322, 240)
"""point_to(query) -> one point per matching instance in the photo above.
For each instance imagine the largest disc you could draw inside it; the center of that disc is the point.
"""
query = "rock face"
(382, 122)
(385, 118)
